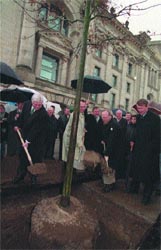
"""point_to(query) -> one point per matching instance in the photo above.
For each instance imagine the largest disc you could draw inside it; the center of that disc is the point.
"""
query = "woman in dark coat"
(146, 151)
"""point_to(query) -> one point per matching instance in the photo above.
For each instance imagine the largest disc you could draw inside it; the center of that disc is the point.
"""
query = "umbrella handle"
(26, 150)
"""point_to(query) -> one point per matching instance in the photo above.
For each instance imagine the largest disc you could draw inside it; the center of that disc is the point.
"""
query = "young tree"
(65, 199)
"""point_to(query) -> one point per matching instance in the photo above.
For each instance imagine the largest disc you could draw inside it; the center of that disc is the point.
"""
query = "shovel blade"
(37, 168)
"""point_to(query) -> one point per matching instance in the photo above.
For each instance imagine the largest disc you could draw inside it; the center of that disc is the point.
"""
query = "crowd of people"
(130, 145)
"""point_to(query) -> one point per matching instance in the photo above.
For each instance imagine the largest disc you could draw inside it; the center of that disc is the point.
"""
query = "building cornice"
(55, 38)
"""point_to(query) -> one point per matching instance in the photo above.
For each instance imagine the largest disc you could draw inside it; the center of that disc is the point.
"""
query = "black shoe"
(113, 186)
(106, 188)
(146, 200)
(33, 180)
(158, 192)
(18, 179)
(133, 191)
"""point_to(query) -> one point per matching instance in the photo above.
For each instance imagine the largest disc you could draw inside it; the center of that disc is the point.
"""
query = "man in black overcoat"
(93, 124)
(51, 133)
(62, 122)
(110, 136)
(13, 142)
(122, 151)
(33, 123)
(146, 151)
(3, 130)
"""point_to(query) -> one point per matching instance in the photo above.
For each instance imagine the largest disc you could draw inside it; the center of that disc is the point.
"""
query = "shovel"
(34, 169)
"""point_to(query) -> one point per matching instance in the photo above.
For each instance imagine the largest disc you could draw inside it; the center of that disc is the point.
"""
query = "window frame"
(114, 82)
(115, 62)
(52, 71)
(128, 87)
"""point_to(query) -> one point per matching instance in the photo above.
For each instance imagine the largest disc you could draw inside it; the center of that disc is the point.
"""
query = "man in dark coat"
(146, 151)
(33, 123)
(51, 133)
(62, 122)
(110, 135)
(93, 124)
(122, 151)
(13, 142)
(4, 130)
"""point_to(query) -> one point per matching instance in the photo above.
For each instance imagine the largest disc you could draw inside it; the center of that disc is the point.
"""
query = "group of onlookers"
(129, 145)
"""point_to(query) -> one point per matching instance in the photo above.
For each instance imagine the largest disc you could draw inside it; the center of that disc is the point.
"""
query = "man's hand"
(25, 144)
(131, 145)
(16, 128)
(106, 158)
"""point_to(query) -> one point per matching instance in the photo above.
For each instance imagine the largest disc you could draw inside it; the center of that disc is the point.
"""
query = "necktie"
(32, 111)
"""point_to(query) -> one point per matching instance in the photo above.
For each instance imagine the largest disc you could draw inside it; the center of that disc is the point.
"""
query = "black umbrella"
(15, 95)
(93, 85)
(8, 76)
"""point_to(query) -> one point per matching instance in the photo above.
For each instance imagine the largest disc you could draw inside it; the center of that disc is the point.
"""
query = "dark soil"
(17, 203)
(152, 238)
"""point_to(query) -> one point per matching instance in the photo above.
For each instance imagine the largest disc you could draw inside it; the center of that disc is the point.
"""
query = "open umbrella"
(155, 107)
(15, 95)
(8, 76)
(116, 109)
(93, 85)
(18, 94)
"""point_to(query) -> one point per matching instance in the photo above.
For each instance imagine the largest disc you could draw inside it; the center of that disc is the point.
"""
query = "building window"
(116, 60)
(98, 53)
(49, 68)
(128, 86)
(126, 104)
(56, 20)
(114, 81)
(129, 69)
(54, 23)
(96, 71)
(43, 13)
(112, 101)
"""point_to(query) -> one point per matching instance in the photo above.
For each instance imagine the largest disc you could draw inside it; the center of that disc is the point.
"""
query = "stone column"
(63, 72)
(142, 79)
(123, 80)
(39, 61)
(108, 74)
(27, 37)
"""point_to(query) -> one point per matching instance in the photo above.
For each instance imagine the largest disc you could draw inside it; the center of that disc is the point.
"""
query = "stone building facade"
(44, 50)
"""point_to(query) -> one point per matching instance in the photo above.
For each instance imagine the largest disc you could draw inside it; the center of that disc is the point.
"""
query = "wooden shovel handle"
(26, 150)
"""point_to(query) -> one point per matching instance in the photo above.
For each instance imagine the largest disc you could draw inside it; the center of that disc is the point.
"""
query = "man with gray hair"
(33, 124)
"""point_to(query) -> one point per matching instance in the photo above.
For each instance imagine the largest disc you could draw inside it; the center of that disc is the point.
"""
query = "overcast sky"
(147, 20)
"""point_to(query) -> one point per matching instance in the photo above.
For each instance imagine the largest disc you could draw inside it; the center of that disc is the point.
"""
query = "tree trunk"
(65, 199)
